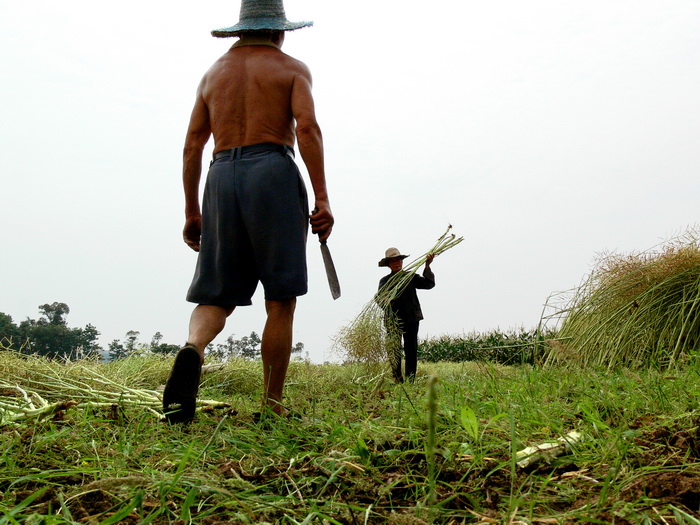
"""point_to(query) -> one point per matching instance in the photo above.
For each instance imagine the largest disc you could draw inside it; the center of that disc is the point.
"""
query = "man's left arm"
(310, 143)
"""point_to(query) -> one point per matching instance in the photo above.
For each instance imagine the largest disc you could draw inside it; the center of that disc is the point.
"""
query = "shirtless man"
(255, 100)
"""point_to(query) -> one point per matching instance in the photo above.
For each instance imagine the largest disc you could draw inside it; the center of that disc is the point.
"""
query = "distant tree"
(54, 313)
(131, 346)
(248, 347)
(87, 342)
(298, 349)
(116, 350)
(218, 353)
(131, 341)
(10, 334)
(156, 339)
(119, 350)
(157, 347)
(50, 335)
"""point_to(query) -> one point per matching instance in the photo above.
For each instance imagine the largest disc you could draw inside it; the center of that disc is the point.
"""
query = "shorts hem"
(286, 296)
(222, 304)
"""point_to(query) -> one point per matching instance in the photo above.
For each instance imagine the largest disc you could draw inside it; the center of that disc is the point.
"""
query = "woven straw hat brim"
(385, 260)
(260, 24)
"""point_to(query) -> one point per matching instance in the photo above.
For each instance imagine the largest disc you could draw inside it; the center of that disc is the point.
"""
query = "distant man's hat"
(391, 253)
(260, 15)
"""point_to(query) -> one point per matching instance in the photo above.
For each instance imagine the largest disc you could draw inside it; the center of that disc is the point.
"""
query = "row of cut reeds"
(34, 387)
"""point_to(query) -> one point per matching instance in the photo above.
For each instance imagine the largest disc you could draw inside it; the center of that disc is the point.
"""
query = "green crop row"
(512, 347)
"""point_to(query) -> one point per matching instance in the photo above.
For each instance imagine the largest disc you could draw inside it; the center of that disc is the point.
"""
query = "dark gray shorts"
(254, 227)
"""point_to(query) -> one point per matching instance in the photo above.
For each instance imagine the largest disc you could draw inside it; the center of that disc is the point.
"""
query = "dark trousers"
(409, 333)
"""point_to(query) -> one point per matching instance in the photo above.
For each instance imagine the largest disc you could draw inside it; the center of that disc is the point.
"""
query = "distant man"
(404, 313)
(255, 100)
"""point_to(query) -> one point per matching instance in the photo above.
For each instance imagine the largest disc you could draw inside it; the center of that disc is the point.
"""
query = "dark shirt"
(406, 306)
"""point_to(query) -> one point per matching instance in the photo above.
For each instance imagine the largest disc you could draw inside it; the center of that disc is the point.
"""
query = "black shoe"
(180, 394)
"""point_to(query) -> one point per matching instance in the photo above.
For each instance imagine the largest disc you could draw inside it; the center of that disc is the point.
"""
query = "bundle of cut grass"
(34, 387)
(637, 310)
(373, 335)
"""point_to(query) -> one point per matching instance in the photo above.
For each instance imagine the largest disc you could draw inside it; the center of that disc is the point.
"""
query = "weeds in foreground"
(365, 450)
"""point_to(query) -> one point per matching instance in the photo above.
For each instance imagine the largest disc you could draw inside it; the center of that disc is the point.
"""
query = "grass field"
(364, 450)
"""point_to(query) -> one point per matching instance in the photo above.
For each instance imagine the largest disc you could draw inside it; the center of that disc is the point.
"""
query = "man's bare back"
(248, 94)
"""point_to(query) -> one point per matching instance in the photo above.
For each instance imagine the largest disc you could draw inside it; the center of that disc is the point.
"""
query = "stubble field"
(362, 449)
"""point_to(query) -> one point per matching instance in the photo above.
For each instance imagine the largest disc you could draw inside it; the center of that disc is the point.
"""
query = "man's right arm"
(198, 134)
(311, 148)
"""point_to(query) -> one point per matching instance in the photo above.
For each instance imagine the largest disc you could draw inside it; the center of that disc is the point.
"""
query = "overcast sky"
(545, 132)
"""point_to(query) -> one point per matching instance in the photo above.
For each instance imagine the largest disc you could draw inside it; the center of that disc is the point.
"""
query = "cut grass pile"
(365, 450)
(636, 310)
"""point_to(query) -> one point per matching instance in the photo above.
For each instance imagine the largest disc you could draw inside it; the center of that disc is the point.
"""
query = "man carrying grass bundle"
(255, 100)
(403, 313)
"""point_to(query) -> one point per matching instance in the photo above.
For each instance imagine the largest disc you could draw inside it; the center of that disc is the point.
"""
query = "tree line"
(50, 336)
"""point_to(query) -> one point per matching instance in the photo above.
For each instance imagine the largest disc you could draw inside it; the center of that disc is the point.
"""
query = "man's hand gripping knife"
(321, 220)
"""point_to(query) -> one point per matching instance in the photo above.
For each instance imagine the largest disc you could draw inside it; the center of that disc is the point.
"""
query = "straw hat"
(391, 253)
(260, 15)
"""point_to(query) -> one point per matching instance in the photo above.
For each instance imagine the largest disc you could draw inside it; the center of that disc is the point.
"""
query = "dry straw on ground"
(371, 336)
(35, 387)
(636, 310)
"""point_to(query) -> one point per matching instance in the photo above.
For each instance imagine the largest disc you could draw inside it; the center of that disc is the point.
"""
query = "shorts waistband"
(241, 151)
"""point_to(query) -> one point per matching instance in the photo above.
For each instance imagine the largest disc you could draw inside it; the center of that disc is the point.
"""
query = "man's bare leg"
(276, 350)
(206, 322)
(180, 393)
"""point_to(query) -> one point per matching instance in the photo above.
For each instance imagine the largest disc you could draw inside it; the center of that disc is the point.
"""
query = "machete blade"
(330, 271)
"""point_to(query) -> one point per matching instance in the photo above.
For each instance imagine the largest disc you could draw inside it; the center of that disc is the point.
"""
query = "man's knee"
(282, 307)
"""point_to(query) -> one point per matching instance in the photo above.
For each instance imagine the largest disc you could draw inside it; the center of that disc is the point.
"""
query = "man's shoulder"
(258, 56)
(295, 63)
